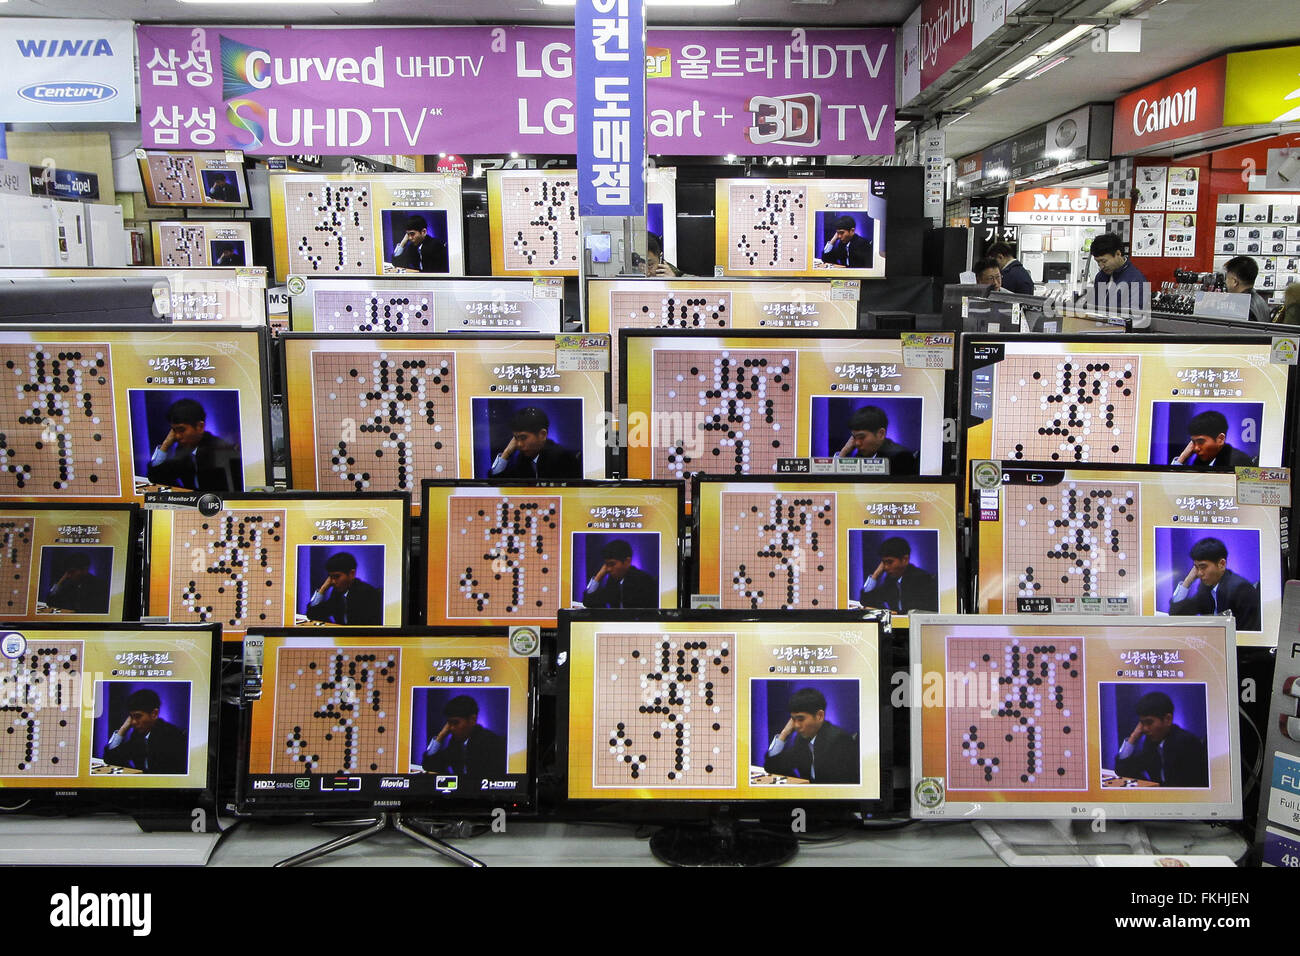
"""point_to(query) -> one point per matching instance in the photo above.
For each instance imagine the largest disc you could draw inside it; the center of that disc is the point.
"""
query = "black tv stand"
(723, 841)
(408, 826)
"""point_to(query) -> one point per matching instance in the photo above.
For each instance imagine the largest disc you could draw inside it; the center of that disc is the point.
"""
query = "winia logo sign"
(98, 46)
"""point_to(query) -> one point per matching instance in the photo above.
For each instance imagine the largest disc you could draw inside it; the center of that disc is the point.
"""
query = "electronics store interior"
(830, 501)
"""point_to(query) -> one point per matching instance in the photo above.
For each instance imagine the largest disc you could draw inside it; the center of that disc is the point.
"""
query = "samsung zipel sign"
(1152, 116)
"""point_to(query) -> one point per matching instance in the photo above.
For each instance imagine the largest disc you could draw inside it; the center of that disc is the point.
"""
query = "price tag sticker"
(582, 353)
(548, 287)
(928, 350)
(1264, 486)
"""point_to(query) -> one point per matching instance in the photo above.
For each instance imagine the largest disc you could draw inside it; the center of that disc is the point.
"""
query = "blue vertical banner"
(610, 46)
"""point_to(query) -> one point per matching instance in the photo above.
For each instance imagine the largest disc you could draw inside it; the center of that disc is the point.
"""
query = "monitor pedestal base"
(1061, 842)
(722, 842)
(407, 826)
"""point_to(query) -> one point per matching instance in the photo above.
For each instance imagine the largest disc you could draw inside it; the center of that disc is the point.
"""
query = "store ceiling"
(1175, 34)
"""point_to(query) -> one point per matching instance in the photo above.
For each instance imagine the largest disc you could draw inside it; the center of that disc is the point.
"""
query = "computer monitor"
(500, 554)
(1132, 541)
(1068, 716)
(671, 712)
(533, 222)
(382, 412)
(1056, 272)
(742, 403)
(107, 414)
(189, 179)
(84, 300)
(1128, 399)
(410, 720)
(69, 563)
(281, 559)
(191, 243)
(420, 305)
(788, 227)
(816, 543)
(79, 703)
(349, 224)
(711, 305)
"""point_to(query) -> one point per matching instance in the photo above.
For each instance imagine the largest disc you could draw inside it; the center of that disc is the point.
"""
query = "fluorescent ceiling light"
(656, 3)
(1049, 65)
(1061, 42)
(1027, 63)
(274, 3)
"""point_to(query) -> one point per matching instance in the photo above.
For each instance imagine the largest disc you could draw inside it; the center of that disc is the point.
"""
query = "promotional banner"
(489, 90)
(610, 38)
(1262, 86)
(67, 71)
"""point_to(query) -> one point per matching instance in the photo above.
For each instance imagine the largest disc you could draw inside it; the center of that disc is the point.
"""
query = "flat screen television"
(79, 702)
(196, 243)
(281, 559)
(69, 563)
(382, 412)
(366, 224)
(187, 179)
(498, 554)
(419, 305)
(414, 720)
(679, 714)
(94, 413)
(711, 305)
(789, 227)
(533, 222)
(1129, 541)
(1016, 717)
(821, 542)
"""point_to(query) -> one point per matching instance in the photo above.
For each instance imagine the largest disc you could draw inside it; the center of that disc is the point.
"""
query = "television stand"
(385, 821)
(723, 841)
(1061, 842)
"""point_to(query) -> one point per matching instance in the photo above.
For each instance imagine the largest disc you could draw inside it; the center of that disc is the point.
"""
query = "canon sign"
(1152, 116)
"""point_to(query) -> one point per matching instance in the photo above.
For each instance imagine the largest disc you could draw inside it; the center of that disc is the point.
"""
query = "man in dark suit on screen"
(464, 746)
(619, 583)
(897, 584)
(344, 598)
(145, 741)
(1169, 755)
(1221, 591)
(812, 748)
(1207, 445)
(532, 453)
(190, 456)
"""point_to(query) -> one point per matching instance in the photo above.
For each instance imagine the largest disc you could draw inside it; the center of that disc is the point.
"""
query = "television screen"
(1018, 718)
(96, 413)
(124, 711)
(788, 227)
(349, 720)
(718, 706)
(1136, 541)
(533, 222)
(1129, 399)
(427, 305)
(661, 208)
(348, 224)
(235, 295)
(193, 180)
(192, 243)
(741, 403)
(704, 305)
(382, 413)
(514, 554)
(68, 563)
(815, 543)
(275, 560)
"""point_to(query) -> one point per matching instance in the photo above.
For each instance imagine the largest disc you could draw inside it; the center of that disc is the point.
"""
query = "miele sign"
(1178, 106)
(1055, 207)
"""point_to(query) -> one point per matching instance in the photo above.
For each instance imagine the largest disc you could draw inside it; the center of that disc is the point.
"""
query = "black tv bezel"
(270, 497)
(613, 484)
(662, 807)
(396, 800)
(136, 801)
(142, 163)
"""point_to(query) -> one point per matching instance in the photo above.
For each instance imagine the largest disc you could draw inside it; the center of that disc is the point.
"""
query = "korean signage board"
(1039, 149)
(950, 29)
(1262, 86)
(67, 71)
(1058, 206)
(1174, 108)
(609, 37)
(909, 58)
(413, 90)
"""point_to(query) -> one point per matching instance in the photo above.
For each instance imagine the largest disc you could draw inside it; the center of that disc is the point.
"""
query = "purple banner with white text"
(425, 90)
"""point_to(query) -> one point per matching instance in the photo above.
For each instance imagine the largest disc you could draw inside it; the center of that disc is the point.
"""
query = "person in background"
(988, 273)
(1015, 277)
(654, 259)
(1290, 314)
(1119, 286)
(1239, 276)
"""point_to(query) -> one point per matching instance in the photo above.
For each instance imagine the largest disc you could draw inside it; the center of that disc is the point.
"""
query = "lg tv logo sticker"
(793, 120)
